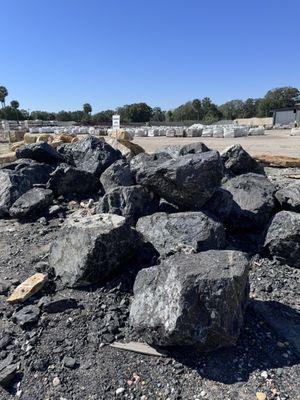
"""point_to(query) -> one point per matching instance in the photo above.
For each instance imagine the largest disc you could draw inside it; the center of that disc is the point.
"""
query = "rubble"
(28, 288)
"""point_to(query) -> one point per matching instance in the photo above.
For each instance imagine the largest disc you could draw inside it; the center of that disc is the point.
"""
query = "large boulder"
(37, 173)
(289, 197)
(118, 174)
(254, 201)
(12, 186)
(91, 249)
(192, 299)
(41, 152)
(283, 238)
(31, 203)
(177, 150)
(187, 232)
(67, 179)
(132, 202)
(188, 181)
(220, 205)
(91, 154)
(237, 161)
(127, 148)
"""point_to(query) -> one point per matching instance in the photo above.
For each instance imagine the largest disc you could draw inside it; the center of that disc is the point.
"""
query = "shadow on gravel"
(259, 347)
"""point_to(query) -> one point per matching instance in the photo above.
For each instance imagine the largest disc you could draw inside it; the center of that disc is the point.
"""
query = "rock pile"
(178, 216)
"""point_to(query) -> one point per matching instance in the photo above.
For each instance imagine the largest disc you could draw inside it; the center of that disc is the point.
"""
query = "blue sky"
(59, 54)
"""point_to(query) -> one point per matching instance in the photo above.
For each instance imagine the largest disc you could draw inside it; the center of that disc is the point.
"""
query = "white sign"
(116, 121)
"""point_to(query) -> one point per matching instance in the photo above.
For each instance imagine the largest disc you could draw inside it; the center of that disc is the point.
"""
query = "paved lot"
(274, 142)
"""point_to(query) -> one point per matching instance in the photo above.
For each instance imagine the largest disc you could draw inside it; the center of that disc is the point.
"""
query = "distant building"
(287, 116)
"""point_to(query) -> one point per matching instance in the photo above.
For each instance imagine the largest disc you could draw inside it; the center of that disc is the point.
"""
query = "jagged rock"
(4, 287)
(118, 174)
(127, 148)
(28, 288)
(8, 370)
(254, 202)
(220, 204)
(91, 155)
(18, 164)
(41, 152)
(37, 173)
(67, 179)
(92, 248)
(187, 232)
(188, 181)
(177, 150)
(283, 238)
(237, 161)
(132, 202)
(31, 203)
(27, 316)
(289, 197)
(52, 306)
(12, 186)
(192, 299)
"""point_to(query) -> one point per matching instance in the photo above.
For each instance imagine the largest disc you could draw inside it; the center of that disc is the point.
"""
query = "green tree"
(251, 108)
(136, 112)
(232, 109)
(3, 95)
(198, 108)
(277, 98)
(87, 108)
(158, 114)
(15, 105)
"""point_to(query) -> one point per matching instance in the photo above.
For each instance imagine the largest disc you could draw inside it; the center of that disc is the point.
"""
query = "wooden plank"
(138, 347)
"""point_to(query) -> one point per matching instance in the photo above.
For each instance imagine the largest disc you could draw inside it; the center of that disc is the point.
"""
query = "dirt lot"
(276, 142)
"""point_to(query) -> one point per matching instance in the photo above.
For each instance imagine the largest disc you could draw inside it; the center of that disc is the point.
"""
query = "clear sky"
(59, 54)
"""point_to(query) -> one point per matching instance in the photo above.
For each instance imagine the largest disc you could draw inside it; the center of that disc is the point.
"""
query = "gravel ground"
(263, 360)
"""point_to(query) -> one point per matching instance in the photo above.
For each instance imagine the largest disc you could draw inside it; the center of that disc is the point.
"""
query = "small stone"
(28, 288)
(120, 390)
(261, 396)
(203, 393)
(69, 362)
(264, 374)
(27, 315)
(56, 381)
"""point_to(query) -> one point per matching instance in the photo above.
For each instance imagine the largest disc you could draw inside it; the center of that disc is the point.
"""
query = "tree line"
(202, 110)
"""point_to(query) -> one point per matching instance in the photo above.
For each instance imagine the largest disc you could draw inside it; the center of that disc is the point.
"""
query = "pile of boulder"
(188, 218)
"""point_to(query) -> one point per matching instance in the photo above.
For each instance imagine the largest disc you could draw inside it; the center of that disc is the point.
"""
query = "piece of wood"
(28, 288)
(137, 347)
(278, 161)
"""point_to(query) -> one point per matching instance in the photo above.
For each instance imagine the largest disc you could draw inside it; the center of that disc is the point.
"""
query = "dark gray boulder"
(192, 299)
(289, 197)
(92, 249)
(91, 155)
(254, 202)
(118, 174)
(18, 164)
(37, 173)
(188, 181)
(237, 161)
(8, 370)
(187, 232)
(67, 179)
(31, 203)
(220, 204)
(12, 186)
(26, 316)
(132, 202)
(177, 150)
(282, 240)
(41, 152)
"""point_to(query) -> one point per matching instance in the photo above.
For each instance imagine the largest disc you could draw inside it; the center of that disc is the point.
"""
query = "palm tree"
(3, 94)
(87, 108)
(15, 105)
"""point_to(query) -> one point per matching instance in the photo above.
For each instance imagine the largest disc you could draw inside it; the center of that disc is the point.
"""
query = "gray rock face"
(187, 232)
(31, 203)
(8, 370)
(118, 174)
(254, 202)
(177, 150)
(283, 238)
(132, 202)
(91, 154)
(196, 299)
(41, 152)
(12, 186)
(237, 161)
(188, 181)
(37, 173)
(220, 204)
(66, 179)
(91, 249)
(289, 197)
(27, 315)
